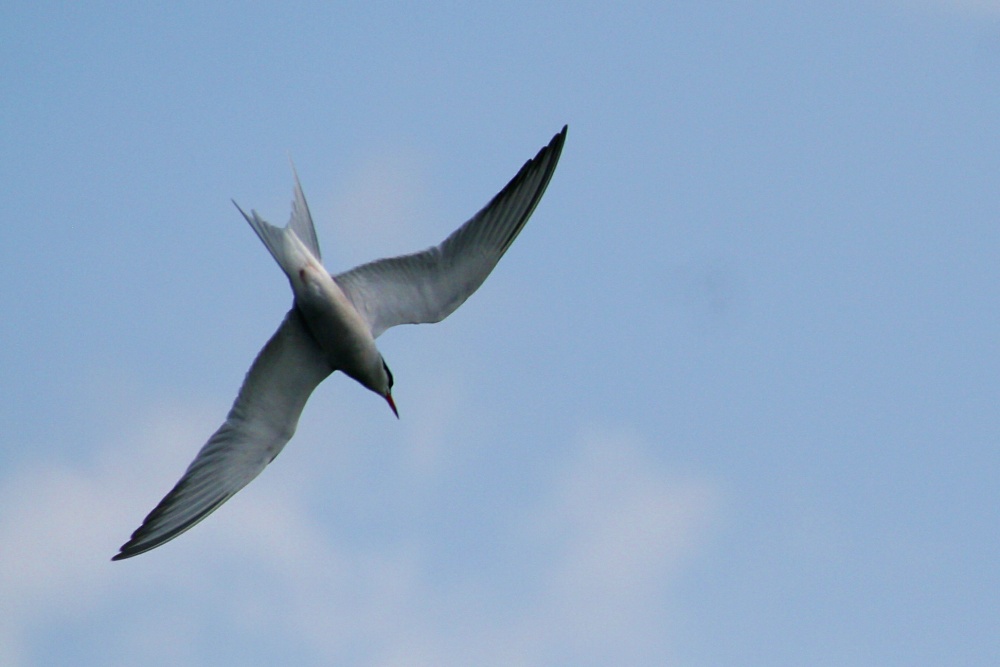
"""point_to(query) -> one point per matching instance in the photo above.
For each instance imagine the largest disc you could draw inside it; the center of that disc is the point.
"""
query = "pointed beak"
(392, 404)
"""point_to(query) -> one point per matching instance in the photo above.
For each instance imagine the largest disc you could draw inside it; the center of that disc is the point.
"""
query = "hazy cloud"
(600, 549)
(374, 211)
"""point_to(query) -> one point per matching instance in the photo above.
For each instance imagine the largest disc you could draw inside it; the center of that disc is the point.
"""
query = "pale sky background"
(730, 399)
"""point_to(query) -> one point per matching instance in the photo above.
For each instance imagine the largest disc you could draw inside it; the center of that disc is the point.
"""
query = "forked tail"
(293, 245)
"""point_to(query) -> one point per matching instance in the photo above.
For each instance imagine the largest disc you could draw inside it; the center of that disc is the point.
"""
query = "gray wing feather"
(261, 421)
(428, 286)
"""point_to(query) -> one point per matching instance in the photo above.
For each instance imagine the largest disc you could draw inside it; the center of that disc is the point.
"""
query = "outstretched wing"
(261, 421)
(428, 286)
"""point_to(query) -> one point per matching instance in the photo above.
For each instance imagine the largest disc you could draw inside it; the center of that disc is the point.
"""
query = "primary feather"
(428, 286)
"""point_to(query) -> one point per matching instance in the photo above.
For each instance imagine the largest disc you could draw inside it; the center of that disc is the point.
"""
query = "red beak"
(392, 404)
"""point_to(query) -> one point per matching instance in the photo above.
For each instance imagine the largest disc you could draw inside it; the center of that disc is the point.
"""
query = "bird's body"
(334, 323)
(332, 326)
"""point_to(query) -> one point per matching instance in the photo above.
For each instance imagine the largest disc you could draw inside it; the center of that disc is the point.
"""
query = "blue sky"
(731, 398)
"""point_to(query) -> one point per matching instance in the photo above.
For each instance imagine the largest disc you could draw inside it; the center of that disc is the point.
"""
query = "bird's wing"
(261, 421)
(428, 286)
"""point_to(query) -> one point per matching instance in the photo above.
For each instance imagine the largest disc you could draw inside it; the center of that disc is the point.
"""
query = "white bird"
(332, 326)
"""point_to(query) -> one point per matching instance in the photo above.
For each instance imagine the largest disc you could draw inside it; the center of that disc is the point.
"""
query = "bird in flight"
(332, 326)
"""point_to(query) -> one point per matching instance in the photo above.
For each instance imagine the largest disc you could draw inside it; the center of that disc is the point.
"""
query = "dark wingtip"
(128, 550)
(561, 135)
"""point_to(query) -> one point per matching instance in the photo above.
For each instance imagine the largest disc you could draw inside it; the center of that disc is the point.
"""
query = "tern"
(332, 326)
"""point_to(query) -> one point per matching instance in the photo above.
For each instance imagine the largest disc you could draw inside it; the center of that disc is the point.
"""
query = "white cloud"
(59, 528)
(599, 552)
(619, 530)
(625, 527)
